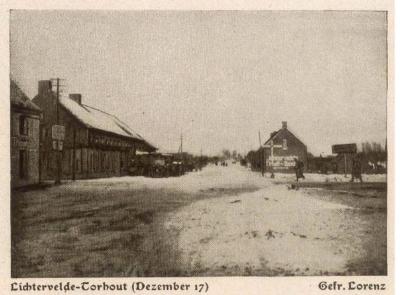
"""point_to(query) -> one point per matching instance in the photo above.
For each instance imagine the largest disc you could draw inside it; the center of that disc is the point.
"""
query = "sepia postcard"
(223, 148)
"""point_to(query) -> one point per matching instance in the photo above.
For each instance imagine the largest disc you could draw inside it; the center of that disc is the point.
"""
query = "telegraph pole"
(261, 154)
(58, 179)
(58, 133)
(58, 101)
(73, 154)
(181, 146)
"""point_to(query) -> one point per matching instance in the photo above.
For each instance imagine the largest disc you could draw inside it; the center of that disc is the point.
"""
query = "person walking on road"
(298, 168)
(356, 169)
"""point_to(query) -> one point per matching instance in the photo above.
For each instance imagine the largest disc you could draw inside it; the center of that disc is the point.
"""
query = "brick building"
(282, 148)
(24, 149)
(97, 144)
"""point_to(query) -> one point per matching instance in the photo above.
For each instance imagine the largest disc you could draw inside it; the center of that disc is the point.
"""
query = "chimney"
(77, 97)
(44, 87)
(284, 125)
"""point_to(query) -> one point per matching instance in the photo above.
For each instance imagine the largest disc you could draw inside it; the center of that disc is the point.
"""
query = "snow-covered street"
(272, 231)
(218, 221)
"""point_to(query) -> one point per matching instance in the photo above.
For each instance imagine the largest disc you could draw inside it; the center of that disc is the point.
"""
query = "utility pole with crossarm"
(58, 133)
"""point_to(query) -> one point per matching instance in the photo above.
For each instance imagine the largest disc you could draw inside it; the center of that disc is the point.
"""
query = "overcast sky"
(219, 77)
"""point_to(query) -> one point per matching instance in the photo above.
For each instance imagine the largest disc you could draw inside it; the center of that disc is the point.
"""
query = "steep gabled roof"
(273, 135)
(98, 119)
(19, 99)
(276, 133)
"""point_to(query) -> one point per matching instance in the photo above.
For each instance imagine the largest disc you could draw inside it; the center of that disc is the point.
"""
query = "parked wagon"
(156, 165)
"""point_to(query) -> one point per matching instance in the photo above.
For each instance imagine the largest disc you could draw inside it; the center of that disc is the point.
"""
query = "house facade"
(96, 143)
(281, 150)
(24, 145)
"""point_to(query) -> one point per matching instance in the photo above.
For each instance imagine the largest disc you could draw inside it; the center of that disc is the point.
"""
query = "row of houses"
(95, 144)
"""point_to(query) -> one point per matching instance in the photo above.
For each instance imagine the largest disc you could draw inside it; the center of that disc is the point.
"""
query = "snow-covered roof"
(19, 99)
(165, 151)
(95, 118)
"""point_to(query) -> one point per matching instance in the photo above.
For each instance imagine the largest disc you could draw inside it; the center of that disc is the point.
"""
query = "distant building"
(281, 150)
(25, 122)
(97, 144)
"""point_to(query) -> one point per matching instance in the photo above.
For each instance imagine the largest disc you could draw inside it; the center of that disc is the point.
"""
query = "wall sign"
(57, 132)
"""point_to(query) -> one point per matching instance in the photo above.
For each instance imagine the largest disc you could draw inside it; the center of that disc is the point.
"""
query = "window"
(78, 160)
(22, 164)
(96, 166)
(23, 125)
(88, 160)
(44, 133)
(48, 162)
(284, 144)
(91, 162)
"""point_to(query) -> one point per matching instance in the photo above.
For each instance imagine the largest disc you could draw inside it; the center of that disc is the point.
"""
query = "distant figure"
(356, 169)
(298, 168)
